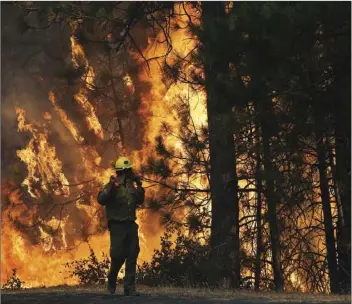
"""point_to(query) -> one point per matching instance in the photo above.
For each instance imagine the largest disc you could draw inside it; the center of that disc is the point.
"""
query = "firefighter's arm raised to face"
(140, 195)
(139, 190)
(106, 194)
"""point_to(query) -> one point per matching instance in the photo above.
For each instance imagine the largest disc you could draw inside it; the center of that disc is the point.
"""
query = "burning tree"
(239, 126)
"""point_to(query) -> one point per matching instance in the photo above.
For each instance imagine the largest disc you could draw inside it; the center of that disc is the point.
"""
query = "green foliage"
(89, 270)
(13, 282)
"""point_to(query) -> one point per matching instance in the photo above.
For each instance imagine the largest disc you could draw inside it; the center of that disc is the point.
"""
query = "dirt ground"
(165, 295)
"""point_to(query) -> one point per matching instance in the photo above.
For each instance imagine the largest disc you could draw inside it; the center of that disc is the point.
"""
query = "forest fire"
(46, 170)
(239, 140)
(92, 121)
(81, 97)
(68, 124)
(42, 164)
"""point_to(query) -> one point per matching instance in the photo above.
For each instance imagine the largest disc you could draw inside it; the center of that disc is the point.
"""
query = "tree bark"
(328, 223)
(223, 180)
(272, 212)
(343, 179)
(258, 211)
(342, 236)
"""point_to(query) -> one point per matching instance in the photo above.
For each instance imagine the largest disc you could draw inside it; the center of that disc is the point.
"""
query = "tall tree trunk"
(343, 178)
(328, 224)
(272, 212)
(341, 101)
(223, 180)
(337, 195)
(319, 128)
(264, 111)
(342, 236)
(258, 211)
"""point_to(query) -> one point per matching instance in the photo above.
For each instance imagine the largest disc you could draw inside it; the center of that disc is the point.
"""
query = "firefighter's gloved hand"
(137, 180)
(113, 181)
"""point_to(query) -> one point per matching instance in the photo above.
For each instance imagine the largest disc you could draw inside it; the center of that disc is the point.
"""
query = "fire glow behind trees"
(138, 79)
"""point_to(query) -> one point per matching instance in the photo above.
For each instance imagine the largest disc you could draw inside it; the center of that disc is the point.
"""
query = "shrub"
(90, 270)
(13, 282)
(183, 262)
(183, 265)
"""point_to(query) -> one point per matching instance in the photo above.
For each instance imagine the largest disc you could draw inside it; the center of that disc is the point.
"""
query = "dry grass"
(243, 295)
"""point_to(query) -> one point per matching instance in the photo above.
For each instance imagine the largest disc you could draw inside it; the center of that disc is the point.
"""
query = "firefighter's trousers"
(124, 248)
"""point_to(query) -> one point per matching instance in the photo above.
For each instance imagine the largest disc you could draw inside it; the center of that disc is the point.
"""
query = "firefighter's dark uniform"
(120, 204)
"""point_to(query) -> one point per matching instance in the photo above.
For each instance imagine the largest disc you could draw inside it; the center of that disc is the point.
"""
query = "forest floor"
(160, 295)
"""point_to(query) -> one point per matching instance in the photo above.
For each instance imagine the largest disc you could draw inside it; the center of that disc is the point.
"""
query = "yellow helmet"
(123, 163)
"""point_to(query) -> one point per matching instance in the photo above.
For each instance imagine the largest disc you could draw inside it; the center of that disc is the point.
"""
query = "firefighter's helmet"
(123, 163)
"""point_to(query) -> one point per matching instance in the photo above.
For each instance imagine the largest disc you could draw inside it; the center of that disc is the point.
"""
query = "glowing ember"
(47, 116)
(127, 80)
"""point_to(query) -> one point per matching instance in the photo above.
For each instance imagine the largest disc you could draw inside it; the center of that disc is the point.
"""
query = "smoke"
(27, 73)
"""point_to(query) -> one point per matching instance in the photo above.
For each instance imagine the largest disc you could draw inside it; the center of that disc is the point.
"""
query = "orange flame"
(68, 123)
(45, 171)
(78, 55)
(43, 165)
(91, 118)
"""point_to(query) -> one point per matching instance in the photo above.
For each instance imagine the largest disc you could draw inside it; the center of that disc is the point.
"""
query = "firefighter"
(121, 196)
